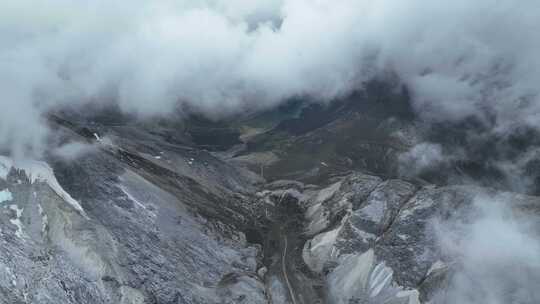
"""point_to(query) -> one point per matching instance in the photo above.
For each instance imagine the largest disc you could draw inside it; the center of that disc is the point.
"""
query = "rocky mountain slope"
(296, 210)
(116, 227)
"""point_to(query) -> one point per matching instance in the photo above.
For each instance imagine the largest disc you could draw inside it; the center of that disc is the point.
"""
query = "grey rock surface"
(117, 227)
(386, 247)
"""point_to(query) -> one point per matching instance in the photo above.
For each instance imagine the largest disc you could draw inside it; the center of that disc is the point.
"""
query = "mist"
(494, 256)
(219, 58)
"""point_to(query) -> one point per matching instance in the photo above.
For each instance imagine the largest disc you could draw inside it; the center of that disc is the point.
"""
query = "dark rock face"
(360, 132)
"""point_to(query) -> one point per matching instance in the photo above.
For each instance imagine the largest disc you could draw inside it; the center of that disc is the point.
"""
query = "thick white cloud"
(458, 57)
(494, 256)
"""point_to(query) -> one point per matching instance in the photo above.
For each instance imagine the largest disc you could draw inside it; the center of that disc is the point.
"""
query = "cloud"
(422, 157)
(222, 57)
(494, 255)
(73, 150)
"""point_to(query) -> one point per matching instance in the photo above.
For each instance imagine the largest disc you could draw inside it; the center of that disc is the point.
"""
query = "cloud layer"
(494, 257)
(219, 57)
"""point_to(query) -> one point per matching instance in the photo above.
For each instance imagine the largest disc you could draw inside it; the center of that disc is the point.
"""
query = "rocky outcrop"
(376, 241)
(115, 227)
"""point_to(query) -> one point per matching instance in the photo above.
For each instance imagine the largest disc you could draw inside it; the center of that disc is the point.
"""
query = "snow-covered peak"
(38, 171)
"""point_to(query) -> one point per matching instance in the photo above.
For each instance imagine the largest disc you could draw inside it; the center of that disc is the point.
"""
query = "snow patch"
(324, 239)
(132, 198)
(37, 171)
(327, 193)
(139, 202)
(318, 217)
(320, 249)
(373, 211)
(412, 295)
(351, 276)
(403, 236)
(44, 218)
(381, 277)
(5, 196)
(436, 266)
(358, 278)
(419, 204)
(313, 210)
(17, 221)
